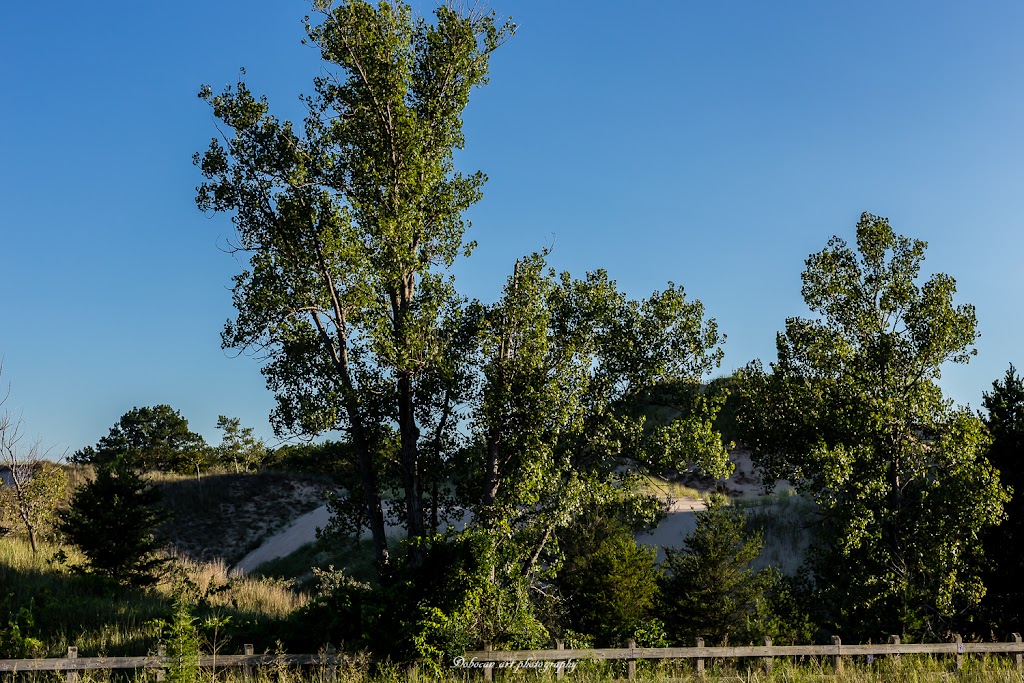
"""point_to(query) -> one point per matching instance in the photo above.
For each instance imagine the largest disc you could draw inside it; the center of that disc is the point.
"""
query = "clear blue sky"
(712, 144)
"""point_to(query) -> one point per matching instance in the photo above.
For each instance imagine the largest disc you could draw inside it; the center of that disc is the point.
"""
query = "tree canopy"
(150, 438)
(559, 425)
(851, 414)
(349, 223)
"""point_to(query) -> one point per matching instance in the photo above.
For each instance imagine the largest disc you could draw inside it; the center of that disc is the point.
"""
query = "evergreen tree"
(112, 521)
(608, 581)
(709, 589)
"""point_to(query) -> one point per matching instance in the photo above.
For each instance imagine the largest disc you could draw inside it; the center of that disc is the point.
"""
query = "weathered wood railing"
(560, 659)
(488, 660)
(73, 664)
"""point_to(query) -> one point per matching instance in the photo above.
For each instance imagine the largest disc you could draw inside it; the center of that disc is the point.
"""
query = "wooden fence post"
(1015, 637)
(559, 666)
(959, 652)
(161, 672)
(837, 659)
(700, 660)
(767, 660)
(331, 669)
(631, 663)
(72, 676)
(488, 670)
(895, 640)
(247, 667)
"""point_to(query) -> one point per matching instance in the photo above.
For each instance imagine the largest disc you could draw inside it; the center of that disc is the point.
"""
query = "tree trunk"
(409, 435)
(371, 499)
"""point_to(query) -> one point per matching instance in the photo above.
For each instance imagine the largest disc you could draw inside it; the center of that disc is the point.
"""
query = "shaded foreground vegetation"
(49, 607)
(904, 669)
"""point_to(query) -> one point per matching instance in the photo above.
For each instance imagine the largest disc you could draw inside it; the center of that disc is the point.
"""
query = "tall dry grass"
(69, 608)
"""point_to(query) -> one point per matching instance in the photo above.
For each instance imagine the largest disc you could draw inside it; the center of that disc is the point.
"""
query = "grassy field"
(53, 607)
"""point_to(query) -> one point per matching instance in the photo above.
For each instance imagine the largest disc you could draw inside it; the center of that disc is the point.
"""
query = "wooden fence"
(561, 659)
(73, 664)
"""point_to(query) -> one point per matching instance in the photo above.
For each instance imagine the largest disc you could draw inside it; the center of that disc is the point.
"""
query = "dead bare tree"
(33, 485)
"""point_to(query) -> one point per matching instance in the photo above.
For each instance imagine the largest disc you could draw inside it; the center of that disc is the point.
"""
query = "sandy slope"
(287, 541)
(678, 524)
(299, 533)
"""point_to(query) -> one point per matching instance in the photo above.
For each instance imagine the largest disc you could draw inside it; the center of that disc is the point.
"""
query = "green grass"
(66, 608)
(662, 488)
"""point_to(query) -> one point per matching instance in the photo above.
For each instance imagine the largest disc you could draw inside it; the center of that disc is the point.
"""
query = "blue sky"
(712, 144)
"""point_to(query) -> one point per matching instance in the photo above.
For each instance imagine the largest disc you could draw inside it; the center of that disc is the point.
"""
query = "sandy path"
(303, 531)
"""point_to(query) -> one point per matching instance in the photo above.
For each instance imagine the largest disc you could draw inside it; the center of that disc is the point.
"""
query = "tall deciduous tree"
(569, 366)
(350, 223)
(852, 415)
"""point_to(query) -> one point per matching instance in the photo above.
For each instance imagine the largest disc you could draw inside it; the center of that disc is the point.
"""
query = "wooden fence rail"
(73, 664)
(487, 660)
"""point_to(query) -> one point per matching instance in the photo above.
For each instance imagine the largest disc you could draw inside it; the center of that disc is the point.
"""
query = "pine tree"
(112, 520)
(709, 589)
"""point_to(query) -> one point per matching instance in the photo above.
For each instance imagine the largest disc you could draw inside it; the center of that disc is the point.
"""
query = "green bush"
(16, 639)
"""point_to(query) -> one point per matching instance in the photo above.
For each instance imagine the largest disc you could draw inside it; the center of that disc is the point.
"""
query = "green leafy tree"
(150, 438)
(851, 414)
(560, 415)
(1003, 606)
(560, 421)
(238, 447)
(609, 583)
(709, 589)
(447, 605)
(350, 222)
(36, 490)
(112, 520)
